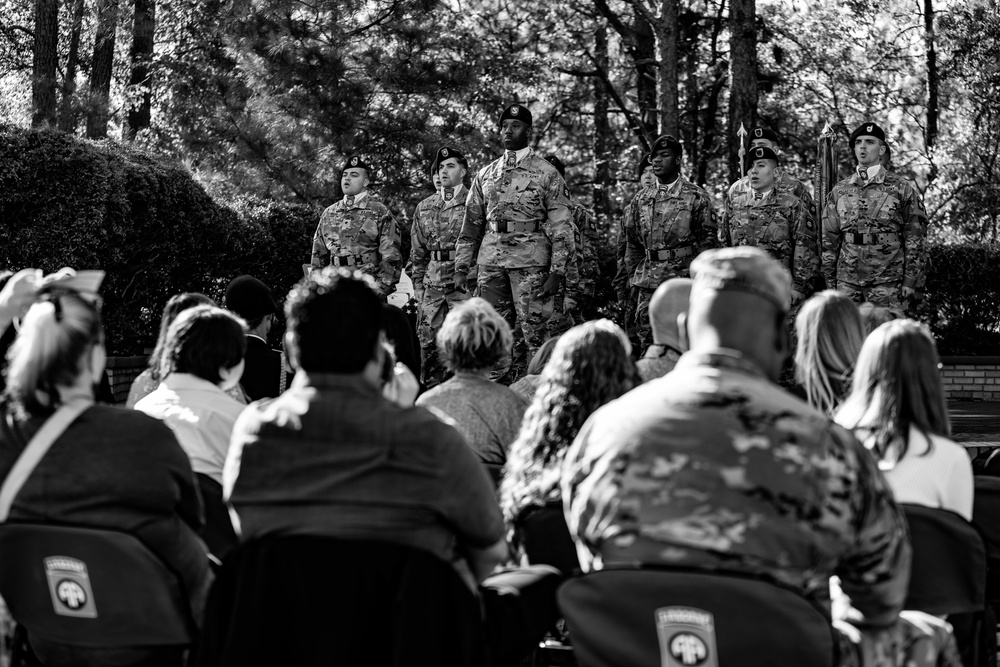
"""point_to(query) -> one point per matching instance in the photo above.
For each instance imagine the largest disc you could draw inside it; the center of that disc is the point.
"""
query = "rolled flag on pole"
(826, 168)
(742, 134)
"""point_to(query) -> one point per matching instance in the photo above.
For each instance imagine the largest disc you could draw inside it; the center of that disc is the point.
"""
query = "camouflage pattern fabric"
(887, 295)
(512, 293)
(779, 223)
(363, 229)
(783, 183)
(885, 204)
(586, 252)
(434, 308)
(532, 193)
(436, 225)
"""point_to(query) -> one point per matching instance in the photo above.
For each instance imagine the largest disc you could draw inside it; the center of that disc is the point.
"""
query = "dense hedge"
(68, 202)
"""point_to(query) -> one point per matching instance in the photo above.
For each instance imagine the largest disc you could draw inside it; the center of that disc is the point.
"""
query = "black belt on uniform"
(870, 239)
(352, 260)
(443, 255)
(504, 227)
(669, 253)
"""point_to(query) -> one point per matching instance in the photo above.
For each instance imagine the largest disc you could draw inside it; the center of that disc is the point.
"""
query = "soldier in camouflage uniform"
(666, 226)
(761, 137)
(625, 294)
(874, 230)
(517, 229)
(359, 232)
(715, 467)
(774, 220)
(436, 224)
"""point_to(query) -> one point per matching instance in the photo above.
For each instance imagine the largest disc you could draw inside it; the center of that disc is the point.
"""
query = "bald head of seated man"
(667, 313)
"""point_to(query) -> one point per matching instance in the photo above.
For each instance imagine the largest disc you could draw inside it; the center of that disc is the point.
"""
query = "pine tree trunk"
(666, 43)
(602, 132)
(645, 65)
(67, 112)
(43, 64)
(742, 75)
(141, 56)
(101, 68)
(932, 75)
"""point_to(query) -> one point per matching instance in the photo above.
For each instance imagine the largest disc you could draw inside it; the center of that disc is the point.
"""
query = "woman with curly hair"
(591, 365)
(830, 334)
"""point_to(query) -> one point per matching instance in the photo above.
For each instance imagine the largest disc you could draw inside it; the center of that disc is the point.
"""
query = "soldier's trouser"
(886, 295)
(642, 327)
(512, 293)
(434, 308)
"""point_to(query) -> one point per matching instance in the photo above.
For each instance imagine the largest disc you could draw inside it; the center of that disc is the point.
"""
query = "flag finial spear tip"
(742, 132)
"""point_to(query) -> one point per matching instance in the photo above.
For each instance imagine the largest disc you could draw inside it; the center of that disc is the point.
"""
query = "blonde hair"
(55, 335)
(830, 335)
(897, 385)
(474, 337)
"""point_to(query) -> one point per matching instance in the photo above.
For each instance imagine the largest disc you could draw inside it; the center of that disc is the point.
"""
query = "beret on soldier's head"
(742, 269)
(249, 298)
(643, 163)
(557, 163)
(667, 142)
(446, 153)
(762, 153)
(356, 162)
(763, 133)
(516, 112)
(868, 130)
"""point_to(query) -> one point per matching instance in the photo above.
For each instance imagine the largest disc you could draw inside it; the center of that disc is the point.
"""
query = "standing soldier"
(774, 220)
(873, 230)
(665, 228)
(624, 293)
(436, 225)
(359, 232)
(761, 137)
(517, 229)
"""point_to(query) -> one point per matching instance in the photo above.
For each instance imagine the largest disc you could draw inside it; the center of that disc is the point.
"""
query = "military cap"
(447, 152)
(743, 269)
(516, 112)
(669, 142)
(868, 130)
(643, 163)
(356, 162)
(557, 163)
(763, 133)
(249, 298)
(762, 153)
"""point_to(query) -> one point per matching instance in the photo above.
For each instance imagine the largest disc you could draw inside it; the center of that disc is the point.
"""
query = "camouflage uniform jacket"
(781, 224)
(366, 232)
(885, 205)
(436, 224)
(783, 183)
(586, 250)
(715, 467)
(678, 218)
(532, 193)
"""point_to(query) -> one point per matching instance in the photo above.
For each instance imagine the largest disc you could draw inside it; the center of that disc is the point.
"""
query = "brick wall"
(122, 370)
(971, 378)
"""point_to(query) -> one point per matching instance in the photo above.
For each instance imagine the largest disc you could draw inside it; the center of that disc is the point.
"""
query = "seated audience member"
(591, 365)
(150, 378)
(333, 457)
(251, 299)
(714, 466)
(898, 411)
(668, 303)
(401, 334)
(830, 334)
(473, 341)
(872, 316)
(202, 359)
(110, 468)
(528, 385)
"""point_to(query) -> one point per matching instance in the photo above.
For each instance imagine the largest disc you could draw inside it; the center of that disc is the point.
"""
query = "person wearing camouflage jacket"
(874, 230)
(436, 224)
(517, 231)
(359, 231)
(775, 220)
(665, 227)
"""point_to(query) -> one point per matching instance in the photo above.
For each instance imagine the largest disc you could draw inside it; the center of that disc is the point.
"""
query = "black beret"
(356, 162)
(557, 163)
(669, 142)
(249, 298)
(643, 163)
(763, 133)
(868, 130)
(762, 153)
(516, 112)
(446, 152)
